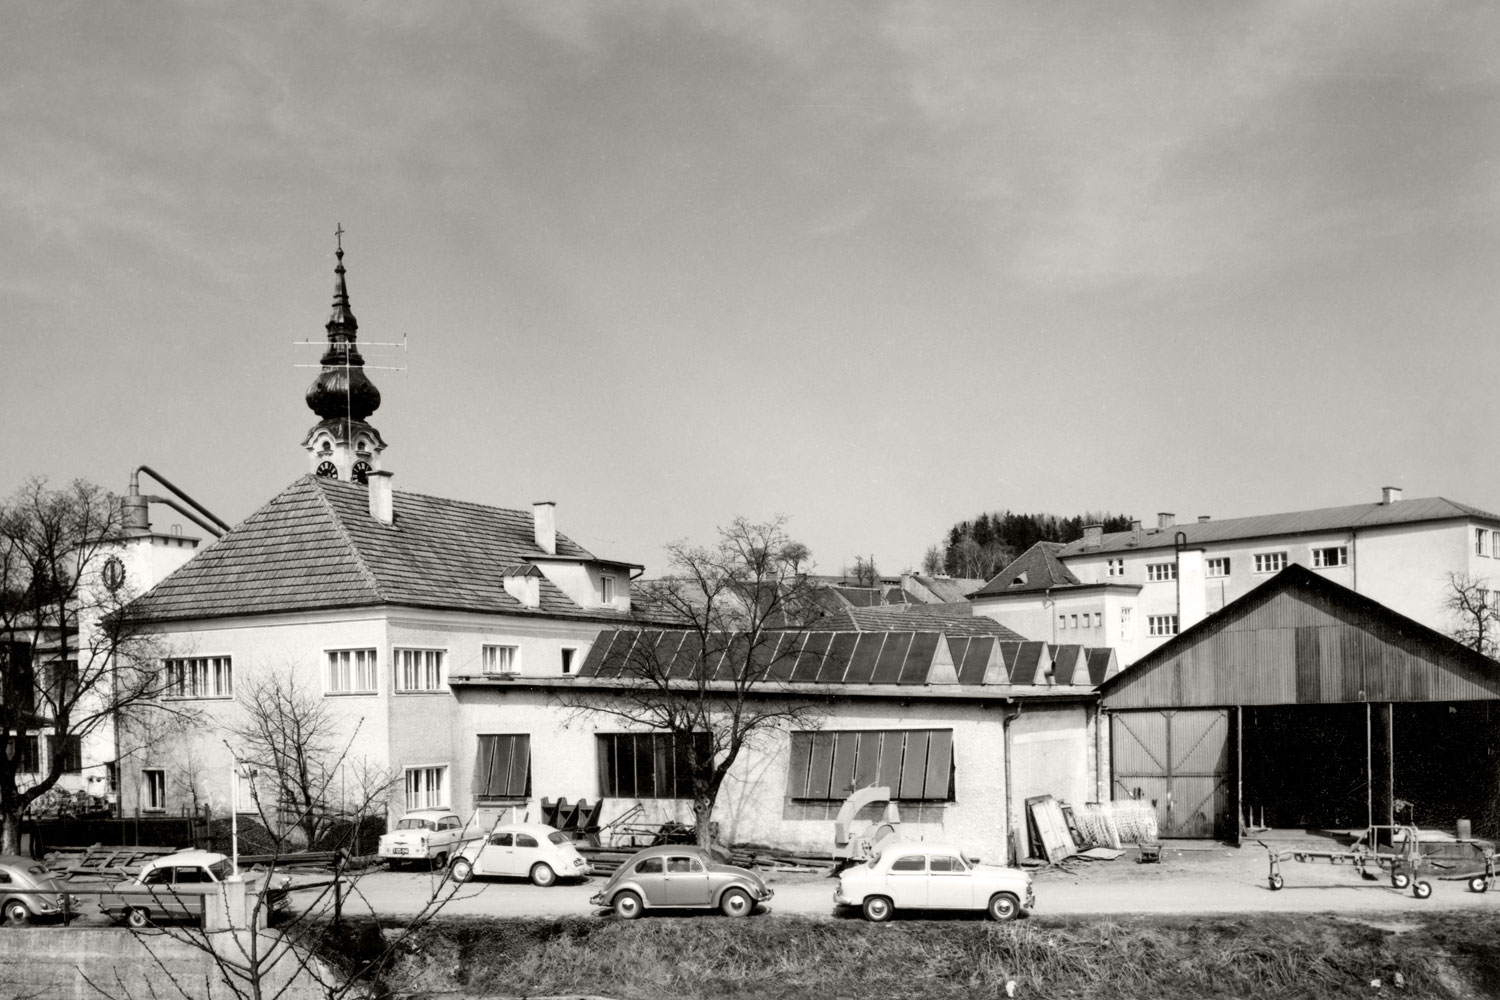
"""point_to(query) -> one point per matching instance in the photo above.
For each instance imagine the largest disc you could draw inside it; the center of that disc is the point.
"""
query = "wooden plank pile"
(100, 863)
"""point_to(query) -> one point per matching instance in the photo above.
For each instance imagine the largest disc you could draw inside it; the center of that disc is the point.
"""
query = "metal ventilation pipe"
(135, 506)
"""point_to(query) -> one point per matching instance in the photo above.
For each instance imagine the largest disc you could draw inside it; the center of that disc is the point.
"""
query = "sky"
(877, 267)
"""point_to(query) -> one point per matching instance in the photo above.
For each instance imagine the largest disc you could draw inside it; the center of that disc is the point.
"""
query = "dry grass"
(782, 957)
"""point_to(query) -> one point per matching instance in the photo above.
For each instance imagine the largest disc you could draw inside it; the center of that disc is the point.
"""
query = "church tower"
(342, 445)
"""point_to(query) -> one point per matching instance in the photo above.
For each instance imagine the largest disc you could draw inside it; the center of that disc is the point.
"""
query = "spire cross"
(338, 233)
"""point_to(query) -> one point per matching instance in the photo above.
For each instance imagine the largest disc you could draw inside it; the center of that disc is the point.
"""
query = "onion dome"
(342, 390)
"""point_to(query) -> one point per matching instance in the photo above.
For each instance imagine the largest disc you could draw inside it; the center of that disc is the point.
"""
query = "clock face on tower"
(361, 473)
(327, 470)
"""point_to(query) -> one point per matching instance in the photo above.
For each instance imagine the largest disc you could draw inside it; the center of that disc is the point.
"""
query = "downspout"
(1014, 847)
(1354, 559)
(1178, 541)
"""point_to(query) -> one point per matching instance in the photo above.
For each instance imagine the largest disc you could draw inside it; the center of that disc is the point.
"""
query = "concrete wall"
(56, 963)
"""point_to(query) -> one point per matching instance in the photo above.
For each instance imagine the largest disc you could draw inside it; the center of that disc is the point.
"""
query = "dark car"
(677, 875)
(28, 891)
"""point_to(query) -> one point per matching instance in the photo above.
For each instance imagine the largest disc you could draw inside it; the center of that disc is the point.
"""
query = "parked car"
(678, 875)
(920, 875)
(536, 851)
(176, 886)
(430, 836)
(28, 891)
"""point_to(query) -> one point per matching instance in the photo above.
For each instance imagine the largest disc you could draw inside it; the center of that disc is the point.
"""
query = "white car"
(430, 836)
(526, 850)
(922, 875)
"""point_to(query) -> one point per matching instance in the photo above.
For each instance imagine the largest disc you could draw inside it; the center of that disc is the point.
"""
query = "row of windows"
(1487, 542)
(29, 753)
(348, 671)
(1086, 619)
(1217, 567)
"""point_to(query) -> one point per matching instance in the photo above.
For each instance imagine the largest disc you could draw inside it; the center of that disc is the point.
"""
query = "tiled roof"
(315, 546)
(1360, 515)
(1035, 569)
(948, 588)
(849, 659)
(954, 619)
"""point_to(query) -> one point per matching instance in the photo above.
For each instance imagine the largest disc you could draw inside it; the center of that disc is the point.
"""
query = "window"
(1495, 544)
(1218, 567)
(916, 764)
(1333, 555)
(68, 749)
(567, 660)
(1062, 621)
(1270, 562)
(946, 863)
(62, 679)
(419, 669)
(648, 765)
(1157, 572)
(351, 671)
(502, 769)
(1481, 542)
(500, 659)
(426, 788)
(1072, 621)
(910, 863)
(607, 589)
(200, 677)
(1161, 624)
(1098, 619)
(29, 754)
(1124, 623)
(1116, 567)
(154, 797)
(649, 866)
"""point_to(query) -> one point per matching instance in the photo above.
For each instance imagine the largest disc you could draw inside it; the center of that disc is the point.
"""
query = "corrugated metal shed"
(1300, 639)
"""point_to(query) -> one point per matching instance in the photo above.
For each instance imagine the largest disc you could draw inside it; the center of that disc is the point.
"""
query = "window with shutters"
(916, 764)
(502, 769)
(648, 765)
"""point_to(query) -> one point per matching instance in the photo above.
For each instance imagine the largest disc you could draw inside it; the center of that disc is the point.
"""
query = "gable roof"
(947, 589)
(1360, 515)
(1035, 569)
(315, 546)
(1301, 638)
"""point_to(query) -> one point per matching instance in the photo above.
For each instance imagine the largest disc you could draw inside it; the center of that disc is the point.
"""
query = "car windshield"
(558, 837)
(221, 870)
(416, 824)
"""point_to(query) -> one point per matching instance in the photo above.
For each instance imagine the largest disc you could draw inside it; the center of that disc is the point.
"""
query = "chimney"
(1165, 521)
(1135, 532)
(1093, 536)
(1390, 494)
(545, 514)
(382, 503)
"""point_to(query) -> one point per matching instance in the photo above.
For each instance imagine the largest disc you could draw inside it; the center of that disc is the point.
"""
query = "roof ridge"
(360, 563)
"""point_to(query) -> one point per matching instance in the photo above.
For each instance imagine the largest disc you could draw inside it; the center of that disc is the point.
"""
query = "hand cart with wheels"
(1396, 850)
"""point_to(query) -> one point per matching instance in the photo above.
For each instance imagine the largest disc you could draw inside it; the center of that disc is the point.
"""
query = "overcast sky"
(875, 266)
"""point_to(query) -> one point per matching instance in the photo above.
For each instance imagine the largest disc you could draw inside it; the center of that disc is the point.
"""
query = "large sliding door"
(1179, 761)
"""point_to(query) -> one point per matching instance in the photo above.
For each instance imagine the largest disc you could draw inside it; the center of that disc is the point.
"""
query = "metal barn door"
(1179, 761)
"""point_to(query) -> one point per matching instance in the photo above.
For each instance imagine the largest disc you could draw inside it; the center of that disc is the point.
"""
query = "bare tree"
(1475, 610)
(74, 658)
(864, 573)
(932, 561)
(740, 603)
(299, 749)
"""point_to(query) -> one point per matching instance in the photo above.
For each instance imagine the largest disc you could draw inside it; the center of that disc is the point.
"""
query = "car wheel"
(878, 909)
(16, 912)
(627, 905)
(1003, 906)
(137, 918)
(440, 861)
(461, 871)
(736, 903)
(542, 875)
(1478, 883)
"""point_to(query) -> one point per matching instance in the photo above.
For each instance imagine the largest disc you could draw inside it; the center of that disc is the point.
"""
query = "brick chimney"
(1093, 536)
(1390, 494)
(1135, 532)
(382, 501)
(1165, 521)
(544, 514)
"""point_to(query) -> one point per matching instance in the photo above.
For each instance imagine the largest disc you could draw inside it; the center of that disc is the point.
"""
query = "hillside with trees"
(980, 548)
